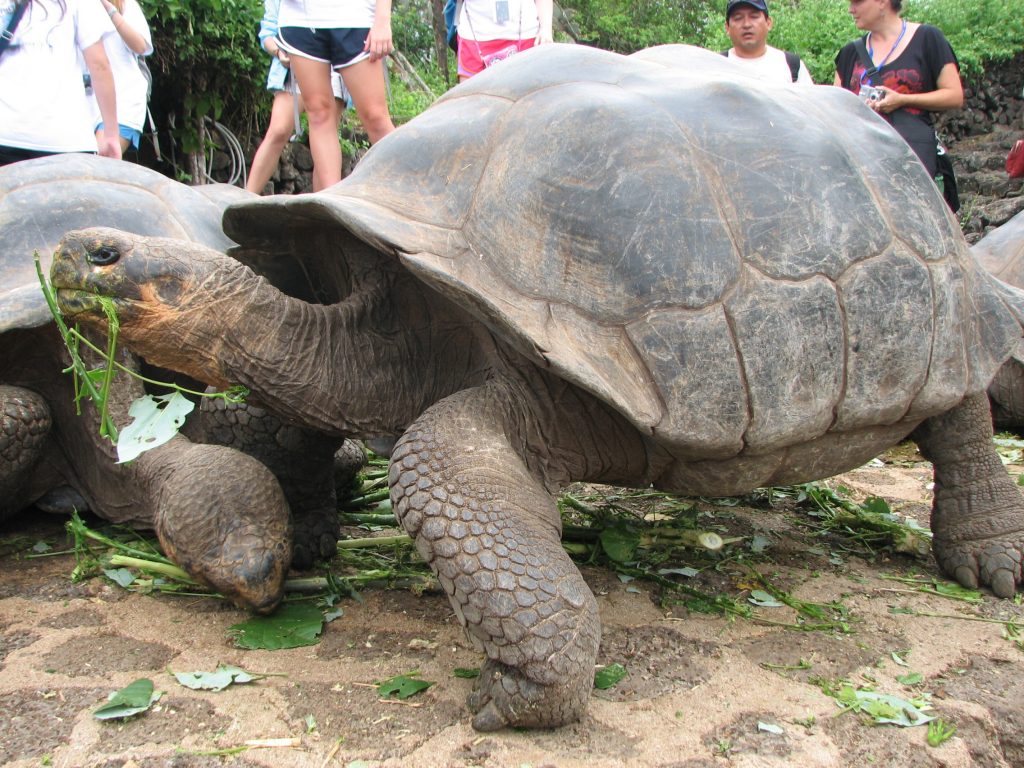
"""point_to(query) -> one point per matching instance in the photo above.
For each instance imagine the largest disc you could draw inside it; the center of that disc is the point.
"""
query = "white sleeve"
(91, 22)
(134, 16)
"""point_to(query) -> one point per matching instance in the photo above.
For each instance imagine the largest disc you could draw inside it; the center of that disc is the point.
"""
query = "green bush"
(627, 27)
(208, 63)
(978, 30)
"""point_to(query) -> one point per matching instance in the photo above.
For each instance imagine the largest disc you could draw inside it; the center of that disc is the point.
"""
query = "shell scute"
(791, 341)
(889, 333)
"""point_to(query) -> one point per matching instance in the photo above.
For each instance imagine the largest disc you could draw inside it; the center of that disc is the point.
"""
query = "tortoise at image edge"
(1001, 252)
(579, 266)
(217, 512)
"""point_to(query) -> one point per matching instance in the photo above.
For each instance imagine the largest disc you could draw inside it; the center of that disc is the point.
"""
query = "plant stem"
(79, 529)
(369, 498)
(377, 542)
(165, 569)
(368, 518)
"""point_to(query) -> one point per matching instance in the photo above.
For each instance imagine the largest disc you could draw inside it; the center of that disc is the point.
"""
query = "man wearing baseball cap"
(747, 23)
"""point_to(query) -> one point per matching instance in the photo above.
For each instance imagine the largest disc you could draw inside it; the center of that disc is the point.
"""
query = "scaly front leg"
(977, 512)
(492, 534)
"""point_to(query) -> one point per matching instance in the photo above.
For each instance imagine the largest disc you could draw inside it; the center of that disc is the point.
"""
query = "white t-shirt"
(327, 14)
(771, 66)
(129, 82)
(479, 20)
(43, 105)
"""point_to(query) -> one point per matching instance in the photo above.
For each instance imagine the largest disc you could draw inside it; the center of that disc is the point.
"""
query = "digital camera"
(869, 93)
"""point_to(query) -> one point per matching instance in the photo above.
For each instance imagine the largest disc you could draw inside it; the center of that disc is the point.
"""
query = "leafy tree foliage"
(207, 62)
(626, 27)
(979, 30)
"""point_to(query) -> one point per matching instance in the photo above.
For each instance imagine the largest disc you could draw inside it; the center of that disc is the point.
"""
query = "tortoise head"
(159, 288)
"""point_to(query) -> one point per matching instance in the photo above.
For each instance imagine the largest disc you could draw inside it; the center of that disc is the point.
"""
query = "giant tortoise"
(642, 270)
(217, 512)
(1001, 252)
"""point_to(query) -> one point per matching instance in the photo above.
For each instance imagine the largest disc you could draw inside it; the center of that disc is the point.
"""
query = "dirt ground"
(699, 692)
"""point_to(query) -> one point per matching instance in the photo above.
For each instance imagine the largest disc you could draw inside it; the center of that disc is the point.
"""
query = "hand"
(543, 38)
(108, 6)
(891, 101)
(109, 146)
(378, 42)
(283, 57)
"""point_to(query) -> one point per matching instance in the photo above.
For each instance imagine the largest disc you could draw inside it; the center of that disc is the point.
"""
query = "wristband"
(112, 11)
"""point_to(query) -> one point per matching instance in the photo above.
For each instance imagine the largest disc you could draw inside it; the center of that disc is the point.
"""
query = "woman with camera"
(902, 70)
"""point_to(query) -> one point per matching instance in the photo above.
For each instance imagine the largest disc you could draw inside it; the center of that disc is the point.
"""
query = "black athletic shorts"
(338, 47)
(10, 155)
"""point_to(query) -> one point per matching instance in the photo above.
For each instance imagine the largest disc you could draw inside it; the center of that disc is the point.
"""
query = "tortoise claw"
(995, 564)
(505, 697)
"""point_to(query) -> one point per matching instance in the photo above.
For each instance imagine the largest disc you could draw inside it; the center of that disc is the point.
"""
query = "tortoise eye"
(103, 255)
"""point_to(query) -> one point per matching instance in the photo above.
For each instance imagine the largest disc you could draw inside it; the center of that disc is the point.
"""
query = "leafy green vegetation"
(882, 708)
(402, 686)
(628, 27)
(155, 419)
(134, 698)
(218, 680)
(293, 625)
(939, 732)
(207, 63)
(609, 677)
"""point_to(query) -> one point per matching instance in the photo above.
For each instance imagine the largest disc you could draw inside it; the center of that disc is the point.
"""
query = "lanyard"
(871, 54)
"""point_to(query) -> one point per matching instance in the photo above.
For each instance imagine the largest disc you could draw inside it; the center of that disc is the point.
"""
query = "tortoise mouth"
(77, 301)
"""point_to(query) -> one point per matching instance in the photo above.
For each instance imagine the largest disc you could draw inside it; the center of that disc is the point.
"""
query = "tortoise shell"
(735, 266)
(42, 199)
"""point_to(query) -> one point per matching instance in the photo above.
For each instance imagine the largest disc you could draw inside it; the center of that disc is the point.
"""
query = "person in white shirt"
(43, 106)
(132, 40)
(352, 37)
(747, 23)
(490, 31)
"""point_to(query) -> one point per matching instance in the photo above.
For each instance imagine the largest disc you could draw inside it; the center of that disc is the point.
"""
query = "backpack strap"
(8, 34)
(794, 64)
(861, 47)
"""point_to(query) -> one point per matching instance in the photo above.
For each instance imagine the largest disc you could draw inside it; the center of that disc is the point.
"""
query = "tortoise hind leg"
(977, 510)
(491, 533)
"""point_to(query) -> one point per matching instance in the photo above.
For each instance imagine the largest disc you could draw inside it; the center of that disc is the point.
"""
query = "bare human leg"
(282, 124)
(365, 81)
(314, 79)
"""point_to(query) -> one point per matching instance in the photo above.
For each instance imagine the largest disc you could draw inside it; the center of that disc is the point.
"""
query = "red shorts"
(475, 57)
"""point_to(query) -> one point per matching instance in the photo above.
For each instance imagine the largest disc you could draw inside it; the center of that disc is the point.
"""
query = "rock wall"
(992, 102)
(978, 138)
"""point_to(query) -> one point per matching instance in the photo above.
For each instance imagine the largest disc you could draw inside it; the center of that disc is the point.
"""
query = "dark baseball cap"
(759, 5)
